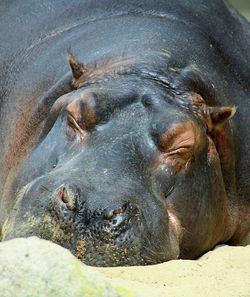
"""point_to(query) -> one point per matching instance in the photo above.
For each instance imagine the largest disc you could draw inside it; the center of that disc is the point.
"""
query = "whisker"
(46, 189)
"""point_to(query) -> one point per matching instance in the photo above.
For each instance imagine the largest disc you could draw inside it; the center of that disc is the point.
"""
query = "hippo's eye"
(75, 128)
(73, 123)
(179, 144)
(181, 151)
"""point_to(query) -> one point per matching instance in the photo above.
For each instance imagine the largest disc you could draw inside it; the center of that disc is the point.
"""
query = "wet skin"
(137, 156)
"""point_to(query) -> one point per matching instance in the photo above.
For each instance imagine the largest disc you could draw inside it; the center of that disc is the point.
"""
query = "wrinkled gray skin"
(115, 191)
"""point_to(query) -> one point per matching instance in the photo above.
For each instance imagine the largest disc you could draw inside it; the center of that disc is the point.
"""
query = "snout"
(117, 231)
(109, 234)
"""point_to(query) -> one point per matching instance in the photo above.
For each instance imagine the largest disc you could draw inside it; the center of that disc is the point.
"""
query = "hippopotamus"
(124, 127)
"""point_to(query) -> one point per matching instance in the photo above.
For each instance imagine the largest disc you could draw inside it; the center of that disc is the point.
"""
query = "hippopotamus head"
(129, 169)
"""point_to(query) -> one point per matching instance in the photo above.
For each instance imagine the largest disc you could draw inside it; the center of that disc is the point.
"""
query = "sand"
(222, 272)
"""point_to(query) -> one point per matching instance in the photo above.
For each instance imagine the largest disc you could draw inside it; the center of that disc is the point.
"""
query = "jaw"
(126, 250)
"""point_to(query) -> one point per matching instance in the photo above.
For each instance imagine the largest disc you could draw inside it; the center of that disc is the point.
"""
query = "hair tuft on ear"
(77, 67)
(221, 114)
(214, 116)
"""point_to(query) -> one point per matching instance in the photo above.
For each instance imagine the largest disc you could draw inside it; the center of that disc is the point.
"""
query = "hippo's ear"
(77, 67)
(214, 116)
(219, 115)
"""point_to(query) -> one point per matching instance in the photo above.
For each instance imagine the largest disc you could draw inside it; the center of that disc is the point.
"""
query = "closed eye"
(180, 151)
(185, 140)
(182, 139)
(170, 190)
(74, 131)
(73, 124)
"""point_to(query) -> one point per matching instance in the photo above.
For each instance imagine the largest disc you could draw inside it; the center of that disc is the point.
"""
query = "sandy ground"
(32, 267)
(222, 272)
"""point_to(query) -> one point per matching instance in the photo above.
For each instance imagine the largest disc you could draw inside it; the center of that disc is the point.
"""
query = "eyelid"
(179, 140)
(179, 150)
(185, 144)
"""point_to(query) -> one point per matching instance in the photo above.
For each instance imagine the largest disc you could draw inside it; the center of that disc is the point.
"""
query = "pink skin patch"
(175, 223)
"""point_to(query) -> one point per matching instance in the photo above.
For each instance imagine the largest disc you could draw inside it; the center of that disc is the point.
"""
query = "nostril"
(109, 215)
(63, 195)
(68, 197)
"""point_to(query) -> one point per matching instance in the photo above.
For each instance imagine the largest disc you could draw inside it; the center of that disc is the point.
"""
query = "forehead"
(116, 97)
